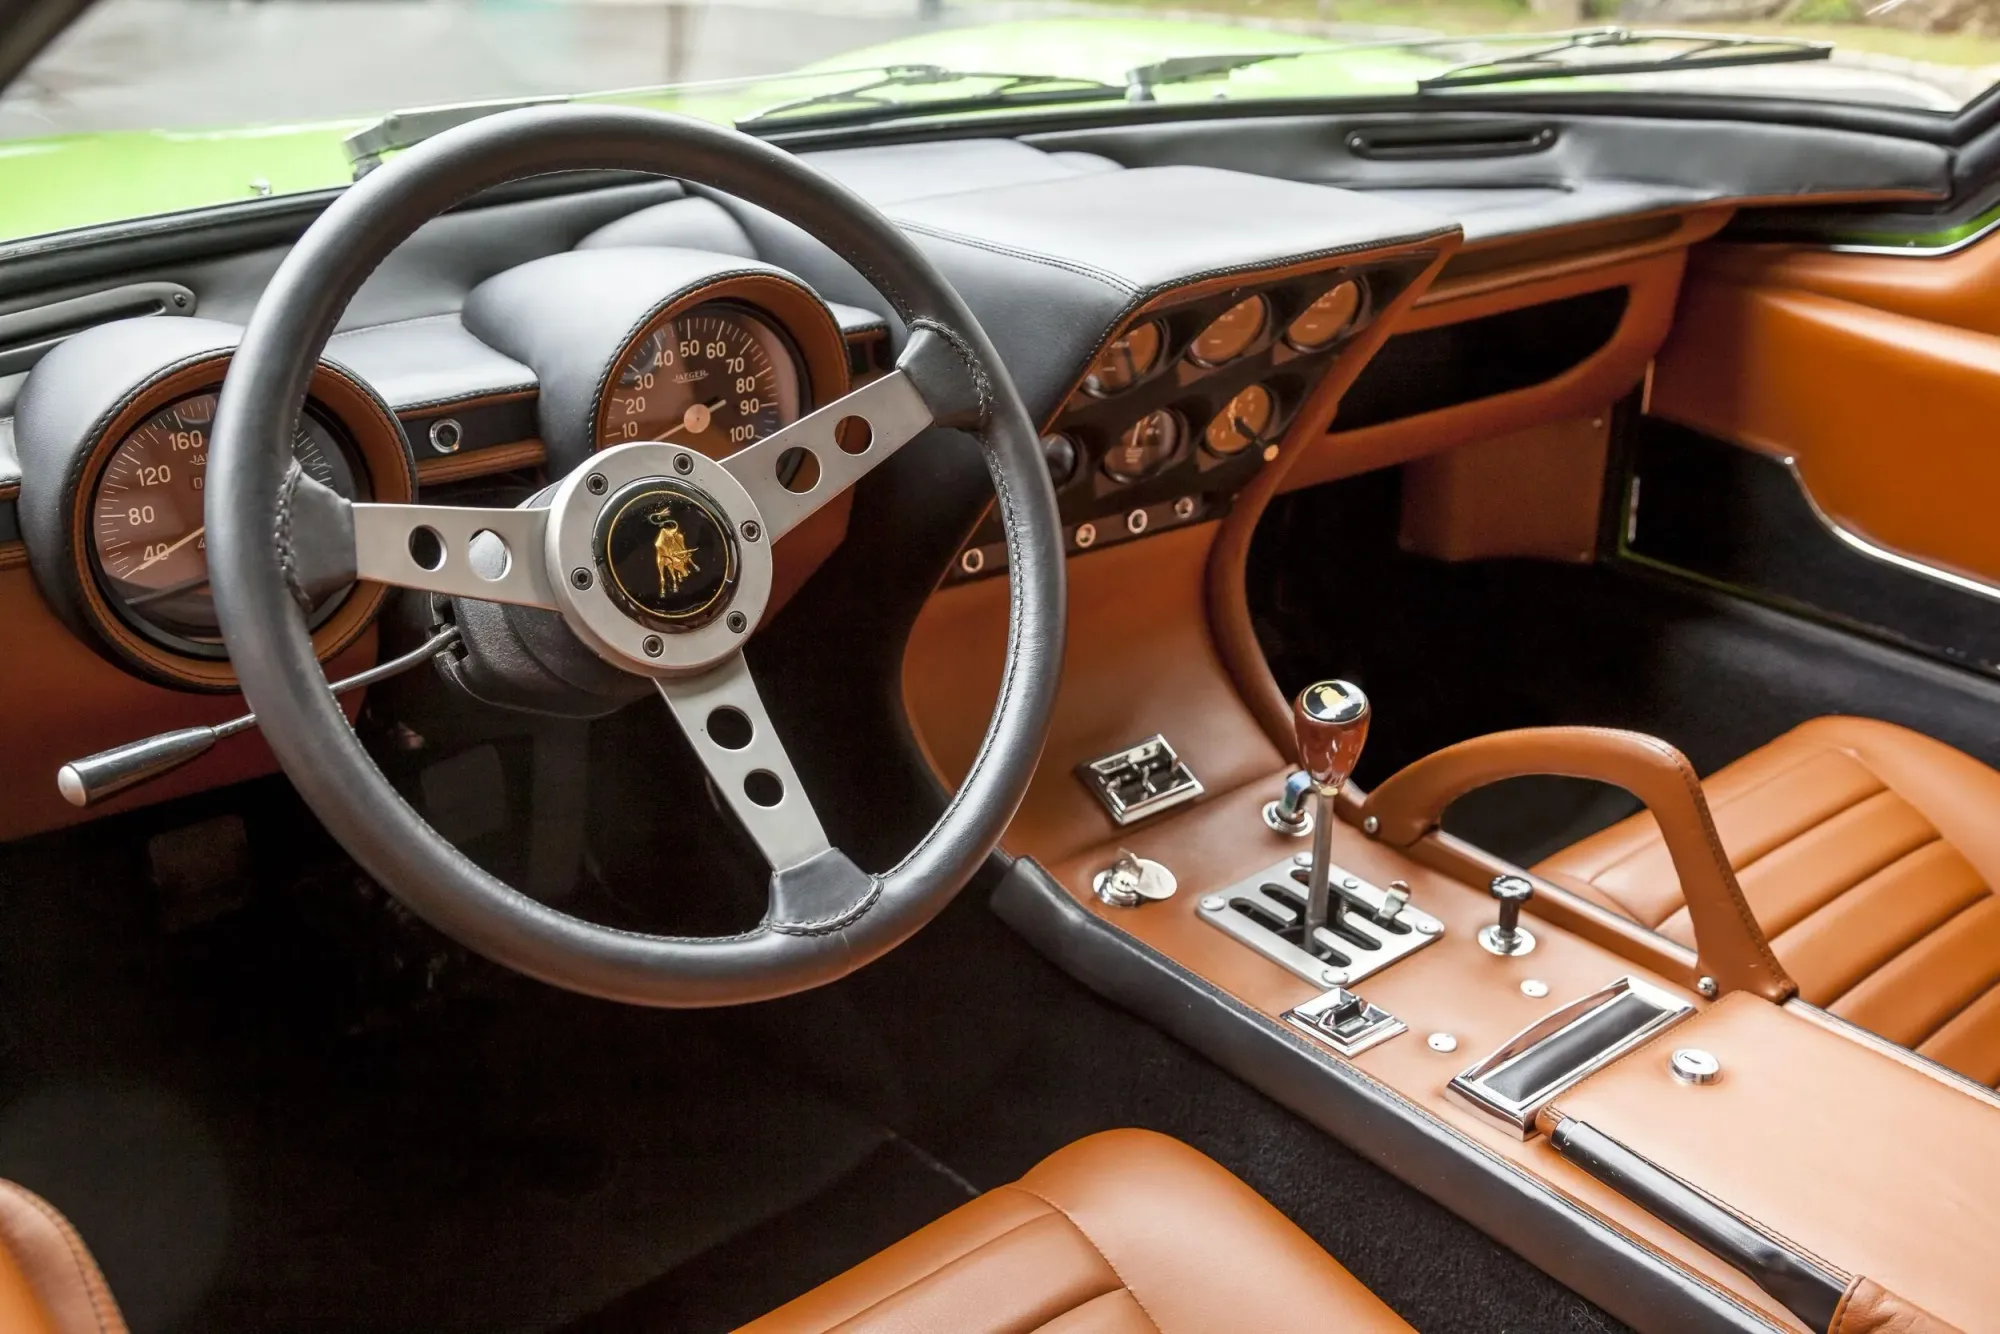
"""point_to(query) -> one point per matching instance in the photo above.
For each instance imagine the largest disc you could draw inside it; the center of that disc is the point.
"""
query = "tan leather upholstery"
(1869, 854)
(1126, 1231)
(48, 1282)
(1731, 948)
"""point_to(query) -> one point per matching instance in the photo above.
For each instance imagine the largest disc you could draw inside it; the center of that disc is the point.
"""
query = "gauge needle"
(694, 421)
(159, 556)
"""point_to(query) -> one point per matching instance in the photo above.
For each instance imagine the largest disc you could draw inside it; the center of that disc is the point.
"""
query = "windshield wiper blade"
(1703, 50)
(865, 106)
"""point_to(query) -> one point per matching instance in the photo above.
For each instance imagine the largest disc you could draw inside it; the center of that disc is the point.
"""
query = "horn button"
(658, 558)
(667, 554)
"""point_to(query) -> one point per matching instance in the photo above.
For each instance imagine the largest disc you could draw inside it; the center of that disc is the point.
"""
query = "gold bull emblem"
(673, 557)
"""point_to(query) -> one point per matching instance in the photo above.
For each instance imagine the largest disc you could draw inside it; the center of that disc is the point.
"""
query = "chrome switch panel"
(1140, 780)
(1266, 911)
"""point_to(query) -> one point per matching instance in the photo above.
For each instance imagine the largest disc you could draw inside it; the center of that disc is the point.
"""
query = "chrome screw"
(1371, 826)
(1442, 1042)
(653, 645)
(1534, 987)
(751, 530)
(595, 484)
(683, 463)
(1214, 903)
(1706, 986)
(1334, 977)
(580, 577)
(735, 621)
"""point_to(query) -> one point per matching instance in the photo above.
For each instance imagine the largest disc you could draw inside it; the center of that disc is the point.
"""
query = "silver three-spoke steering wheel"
(656, 558)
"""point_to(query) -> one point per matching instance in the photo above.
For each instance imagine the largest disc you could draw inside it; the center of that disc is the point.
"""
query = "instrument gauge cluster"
(1190, 395)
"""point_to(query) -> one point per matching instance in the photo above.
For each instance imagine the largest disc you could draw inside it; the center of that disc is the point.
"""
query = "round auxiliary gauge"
(1327, 318)
(716, 379)
(148, 536)
(1125, 360)
(1231, 333)
(1244, 421)
(1147, 446)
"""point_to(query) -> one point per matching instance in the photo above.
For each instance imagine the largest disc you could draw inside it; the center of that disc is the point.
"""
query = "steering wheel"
(589, 548)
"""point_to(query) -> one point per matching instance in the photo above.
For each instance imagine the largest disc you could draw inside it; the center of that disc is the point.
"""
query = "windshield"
(155, 106)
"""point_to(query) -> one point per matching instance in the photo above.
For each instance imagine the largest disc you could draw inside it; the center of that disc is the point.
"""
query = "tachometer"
(716, 379)
(148, 536)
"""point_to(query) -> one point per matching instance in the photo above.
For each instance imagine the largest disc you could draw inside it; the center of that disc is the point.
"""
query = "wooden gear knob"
(1331, 718)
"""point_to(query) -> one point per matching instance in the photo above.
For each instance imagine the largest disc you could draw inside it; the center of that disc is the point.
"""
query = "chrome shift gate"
(1375, 927)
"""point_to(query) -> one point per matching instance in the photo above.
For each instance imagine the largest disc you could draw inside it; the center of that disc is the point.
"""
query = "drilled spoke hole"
(426, 548)
(729, 728)
(854, 434)
(763, 787)
(489, 555)
(798, 469)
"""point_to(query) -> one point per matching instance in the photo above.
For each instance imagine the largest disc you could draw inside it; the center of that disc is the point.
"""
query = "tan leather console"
(1874, 1166)
(1142, 658)
(1729, 943)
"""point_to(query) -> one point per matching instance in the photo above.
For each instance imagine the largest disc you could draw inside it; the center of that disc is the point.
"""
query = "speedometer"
(148, 536)
(716, 379)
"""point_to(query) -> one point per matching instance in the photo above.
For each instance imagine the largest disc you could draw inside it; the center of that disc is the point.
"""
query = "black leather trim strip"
(1641, 1288)
(1809, 1289)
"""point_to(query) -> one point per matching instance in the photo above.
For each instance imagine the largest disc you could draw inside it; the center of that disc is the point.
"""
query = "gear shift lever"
(1331, 718)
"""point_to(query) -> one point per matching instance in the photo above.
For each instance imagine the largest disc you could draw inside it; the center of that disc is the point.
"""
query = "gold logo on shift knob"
(672, 555)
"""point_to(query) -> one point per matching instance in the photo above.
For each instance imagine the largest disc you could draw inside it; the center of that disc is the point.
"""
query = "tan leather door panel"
(1892, 419)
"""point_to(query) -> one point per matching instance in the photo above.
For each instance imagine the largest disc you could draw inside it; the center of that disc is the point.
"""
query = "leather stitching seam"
(282, 537)
(1110, 280)
(1091, 1241)
(1842, 1309)
(1691, 781)
(826, 926)
(938, 1269)
(86, 1269)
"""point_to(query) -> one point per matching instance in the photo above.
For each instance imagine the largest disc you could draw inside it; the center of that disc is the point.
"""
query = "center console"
(1655, 1127)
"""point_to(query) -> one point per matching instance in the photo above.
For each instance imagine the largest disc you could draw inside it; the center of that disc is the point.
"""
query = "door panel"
(1891, 416)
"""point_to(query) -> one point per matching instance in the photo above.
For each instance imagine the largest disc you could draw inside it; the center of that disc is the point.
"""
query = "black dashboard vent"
(1495, 354)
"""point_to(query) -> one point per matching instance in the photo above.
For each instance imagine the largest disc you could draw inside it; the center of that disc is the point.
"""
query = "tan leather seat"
(1869, 854)
(1123, 1231)
(48, 1282)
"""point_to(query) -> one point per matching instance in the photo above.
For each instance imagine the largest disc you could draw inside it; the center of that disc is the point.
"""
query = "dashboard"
(1186, 315)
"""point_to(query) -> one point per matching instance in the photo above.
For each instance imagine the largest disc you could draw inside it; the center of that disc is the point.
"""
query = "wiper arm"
(1703, 50)
(406, 129)
(864, 105)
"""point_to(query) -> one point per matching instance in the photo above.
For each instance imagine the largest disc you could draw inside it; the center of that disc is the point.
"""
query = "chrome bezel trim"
(1964, 583)
(1423, 928)
(1472, 1085)
(1381, 1025)
(1916, 252)
(1097, 775)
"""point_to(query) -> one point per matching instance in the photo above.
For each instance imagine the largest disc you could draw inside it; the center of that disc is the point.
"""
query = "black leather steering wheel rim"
(827, 917)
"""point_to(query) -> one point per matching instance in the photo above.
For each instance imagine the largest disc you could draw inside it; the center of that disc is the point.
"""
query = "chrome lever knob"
(1508, 936)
